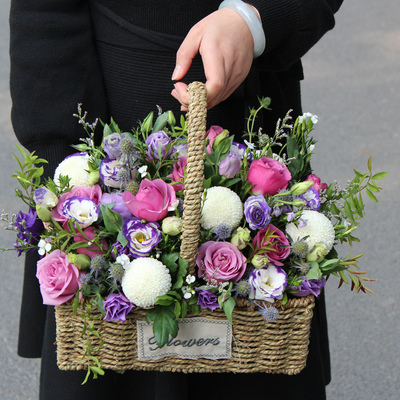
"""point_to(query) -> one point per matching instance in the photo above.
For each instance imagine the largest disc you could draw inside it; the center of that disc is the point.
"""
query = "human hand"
(225, 44)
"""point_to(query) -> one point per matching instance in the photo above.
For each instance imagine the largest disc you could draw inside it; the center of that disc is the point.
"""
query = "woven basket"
(258, 346)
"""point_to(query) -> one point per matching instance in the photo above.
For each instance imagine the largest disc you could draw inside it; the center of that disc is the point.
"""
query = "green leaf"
(371, 196)
(165, 300)
(228, 307)
(122, 239)
(181, 273)
(178, 309)
(161, 122)
(314, 272)
(169, 260)
(97, 370)
(165, 324)
(184, 308)
(231, 182)
(380, 175)
(370, 164)
(112, 220)
(373, 188)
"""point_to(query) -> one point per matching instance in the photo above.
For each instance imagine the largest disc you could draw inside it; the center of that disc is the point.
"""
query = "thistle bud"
(301, 187)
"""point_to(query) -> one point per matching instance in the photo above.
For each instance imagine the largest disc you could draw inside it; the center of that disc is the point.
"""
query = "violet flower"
(312, 286)
(117, 307)
(142, 238)
(257, 212)
(207, 299)
(119, 205)
(230, 165)
(80, 208)
(311, 197)
(267, 283)
(155, 141)
(112, 145)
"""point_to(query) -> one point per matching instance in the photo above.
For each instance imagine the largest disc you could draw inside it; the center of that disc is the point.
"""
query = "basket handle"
(194, 179)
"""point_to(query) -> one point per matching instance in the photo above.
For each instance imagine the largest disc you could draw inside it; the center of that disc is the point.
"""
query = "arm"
(225, 43)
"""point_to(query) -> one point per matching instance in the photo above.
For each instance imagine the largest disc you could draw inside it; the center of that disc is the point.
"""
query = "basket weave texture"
(258, 346)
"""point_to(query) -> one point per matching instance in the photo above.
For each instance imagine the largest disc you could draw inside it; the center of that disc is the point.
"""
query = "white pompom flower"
(76, 168)
(144, 280)
(221, 206)
(318, 228)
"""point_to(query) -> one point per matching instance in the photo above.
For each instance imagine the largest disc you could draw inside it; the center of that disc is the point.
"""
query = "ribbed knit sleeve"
(53, 68)
(292, 27)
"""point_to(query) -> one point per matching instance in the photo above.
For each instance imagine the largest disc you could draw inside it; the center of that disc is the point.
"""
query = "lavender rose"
(117, 307)
(29, 227)
(309, 286)
(119, 205)
(142, 238)
(82, 209)
(207, 299)
(230, 165)
(257, 212)
(112, 145)
(58, 278)
(267, 283)
(157, 144)
(220, 261)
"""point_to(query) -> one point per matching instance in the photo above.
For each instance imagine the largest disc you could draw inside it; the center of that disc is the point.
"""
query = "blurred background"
(352, 83)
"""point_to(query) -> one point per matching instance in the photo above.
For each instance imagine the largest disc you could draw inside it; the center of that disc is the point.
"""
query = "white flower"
(81, 209)
(123, 259)
(221, 206)
(173, 206)
(76, 168)
(310, 148)
(319, 229)
(43, 247)
(307, 116)
(45, 197)
(251, 146)
(144, 280)
(190, 279)
(143, 171)
(267, 283)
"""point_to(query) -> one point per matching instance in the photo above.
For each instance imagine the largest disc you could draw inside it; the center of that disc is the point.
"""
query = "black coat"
(117, 58)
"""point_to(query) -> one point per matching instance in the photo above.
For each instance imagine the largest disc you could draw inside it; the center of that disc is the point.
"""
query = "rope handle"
(194, 179)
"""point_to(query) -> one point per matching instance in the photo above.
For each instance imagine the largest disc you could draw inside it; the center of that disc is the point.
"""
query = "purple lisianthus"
(242, 150)
(267, 283)
(110, 173)
(45, 197)
(311, 197)
(309, 286)
(119, 205)
(82, 209)
(207, 299)
(230, 165)
(29, 227)
(118, 250)
(257, 212)
(155, 141)
(112, 145)
(142, 238)
(180, 148)
(117, 307)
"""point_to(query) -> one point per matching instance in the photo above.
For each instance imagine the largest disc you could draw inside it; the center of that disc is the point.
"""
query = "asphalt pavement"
(352, 83)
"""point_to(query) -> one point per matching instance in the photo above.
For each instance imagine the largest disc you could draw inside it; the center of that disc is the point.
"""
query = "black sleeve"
(292, 27)
(54, 67)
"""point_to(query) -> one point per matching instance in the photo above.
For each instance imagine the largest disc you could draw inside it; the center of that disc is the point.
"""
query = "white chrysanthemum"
(221, 206)
(76, 167)
(144, 280)
(319, 229)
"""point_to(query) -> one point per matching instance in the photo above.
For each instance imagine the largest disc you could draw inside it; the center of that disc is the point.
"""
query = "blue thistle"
(270, 314)
(222, 232)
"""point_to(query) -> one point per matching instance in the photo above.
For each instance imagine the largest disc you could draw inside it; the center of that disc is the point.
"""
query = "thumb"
(185, 54)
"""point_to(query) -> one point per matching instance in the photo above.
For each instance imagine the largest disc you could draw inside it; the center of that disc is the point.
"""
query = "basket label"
(197, 338)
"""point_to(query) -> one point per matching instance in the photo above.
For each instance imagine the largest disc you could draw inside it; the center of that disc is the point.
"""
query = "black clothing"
(116, 57)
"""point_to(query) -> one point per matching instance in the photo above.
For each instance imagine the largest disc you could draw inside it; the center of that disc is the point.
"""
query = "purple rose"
(112, 145)
(267, 283)
(157, 144)
(82, 209)
(257, 212)
(311, 197)
(117, 307)
(142, 238)
(119, 205)
(207, 299)
(29, 227)
(312, 286)
(230, 165)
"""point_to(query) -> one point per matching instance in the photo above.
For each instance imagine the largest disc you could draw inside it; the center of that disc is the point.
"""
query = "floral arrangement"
(108, 224)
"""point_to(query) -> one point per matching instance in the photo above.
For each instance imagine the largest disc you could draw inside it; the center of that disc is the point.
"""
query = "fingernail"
(176, 72)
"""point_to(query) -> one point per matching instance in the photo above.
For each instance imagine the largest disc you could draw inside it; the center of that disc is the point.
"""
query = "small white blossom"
(249, 145)
(190, 279)
(43, 247)
(143, 171)
(123, 259)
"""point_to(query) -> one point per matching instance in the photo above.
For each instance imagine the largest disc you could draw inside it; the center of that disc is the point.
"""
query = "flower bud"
(45, 197)
(43, 213)
(301, 187)
(317, 253)
(81, 261)
(81, 147)
(222, 135)
(172, 226)
(299, 202)
(241, 238)
(171, 118)
(94, 177)
(147, 123)
(260, 261)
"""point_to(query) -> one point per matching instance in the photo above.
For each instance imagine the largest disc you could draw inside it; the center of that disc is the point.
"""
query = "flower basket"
(256, 345)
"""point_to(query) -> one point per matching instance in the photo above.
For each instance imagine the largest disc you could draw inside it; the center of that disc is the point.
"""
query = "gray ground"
(353, 85)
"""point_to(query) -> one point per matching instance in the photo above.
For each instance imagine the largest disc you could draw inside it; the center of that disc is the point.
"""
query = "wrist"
(252, 18)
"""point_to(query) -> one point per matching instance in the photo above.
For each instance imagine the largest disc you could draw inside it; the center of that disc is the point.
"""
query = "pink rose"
(93, 193)
(58, 278)
(93, 250)
(269, 176)
(221, 261)
(275, 239)
(153, 200)
(211, 134)
(317, 183)
(178, 174)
